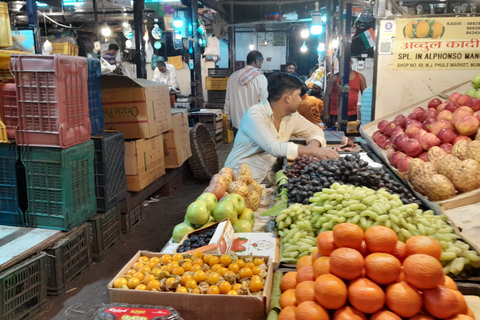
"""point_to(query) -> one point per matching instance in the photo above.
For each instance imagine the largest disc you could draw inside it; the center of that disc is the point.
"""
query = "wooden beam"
(217, 6)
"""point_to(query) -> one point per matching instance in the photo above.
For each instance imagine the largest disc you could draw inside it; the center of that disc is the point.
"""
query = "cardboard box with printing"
(177, 140)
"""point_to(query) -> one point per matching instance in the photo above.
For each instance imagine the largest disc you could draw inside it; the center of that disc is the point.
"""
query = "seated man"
(166, 73)
(266, 128)
(311, 108)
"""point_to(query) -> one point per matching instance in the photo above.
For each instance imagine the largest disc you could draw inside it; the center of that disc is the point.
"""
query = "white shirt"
(258, 143)
(241, 97)
(169, 77)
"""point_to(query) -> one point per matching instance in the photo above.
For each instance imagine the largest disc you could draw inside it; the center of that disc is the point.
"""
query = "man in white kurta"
(166, 73)
(267, 127)
(245, 88)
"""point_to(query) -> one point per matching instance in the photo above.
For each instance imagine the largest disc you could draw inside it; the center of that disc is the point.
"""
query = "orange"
(305, 261)
(305, 292)
(449, 283)
(421, 316)
(462, 304)
(363, 249)
(348, 313)
(470, 313)
(381, 239)
(288, 298)
(365, 295)
(385, 315)
(321, 266)
(461, 317)
(347, 235)
(325, 243)
(403, 299)
(316, 254)
(423, 271)
(346, 263)
(289, 281)
(310, 310)
(330, 291)
(401, 277)
(305, 274)
(425, 245)
(382, 268)
(440, 302)
(287, 313)
(400, 251)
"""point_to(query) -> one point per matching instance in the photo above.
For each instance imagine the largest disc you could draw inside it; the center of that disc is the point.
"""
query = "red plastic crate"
(9, 108)
(52, 97)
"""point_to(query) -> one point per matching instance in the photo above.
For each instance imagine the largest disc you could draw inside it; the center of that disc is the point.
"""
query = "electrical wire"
(398, 8)
(61, 25)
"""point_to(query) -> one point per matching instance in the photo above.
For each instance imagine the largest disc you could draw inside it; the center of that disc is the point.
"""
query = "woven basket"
(204, 159)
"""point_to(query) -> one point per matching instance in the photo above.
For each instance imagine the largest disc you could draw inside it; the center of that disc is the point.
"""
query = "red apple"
(434, 103)
(418, 110)
(466, 109)
(460, 138)
(429, 140)
(477, 114)
(444, 115)
(412, 147)
(399, 142)
(414, 116)
(404, 163)
(410, 122)
(390, 152)
(401, 119)
(439, 125)
(389, 128)
(428, 114)
(457, 115)
(447, 147)
(442, 106)
(464, 100)
(420, 133)
(474, 104)
(375, 135)
(396, 157)
(396, 132)
(382, 140)
(423, 156)
(382, 125)
(454, 96)
(451, 106)
(446, 135)
(467, 125)
(412, 130)
(427, 124)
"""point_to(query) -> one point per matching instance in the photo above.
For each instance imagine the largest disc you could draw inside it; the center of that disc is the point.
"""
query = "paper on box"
(177, 141)
(221, 241)
(256, 243)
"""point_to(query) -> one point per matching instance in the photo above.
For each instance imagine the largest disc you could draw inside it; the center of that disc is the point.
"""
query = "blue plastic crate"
(12, 188)
(110, 178)
(95, 108)
(60, 186)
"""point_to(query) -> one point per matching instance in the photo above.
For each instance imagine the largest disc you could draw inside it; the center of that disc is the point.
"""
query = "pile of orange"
(197, 273)
(355, 275)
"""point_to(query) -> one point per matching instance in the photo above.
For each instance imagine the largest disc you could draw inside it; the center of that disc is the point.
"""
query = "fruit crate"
(216, 96)
(95, 108)
(5, 31)
(60, 186)
(5, 57)
(219, 84)
(218, 72)
(12, 187)
(9, 108)
(52, 98)
(23, 289)
(214, 105)
(65, 48)
(110, 177)
(68, 259)
(131, 219)
(172, 185)
(105, 232)
(5, 74)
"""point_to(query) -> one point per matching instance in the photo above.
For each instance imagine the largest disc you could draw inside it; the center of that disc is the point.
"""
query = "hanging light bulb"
(128, 44)
(251, 47)
(106, 32)
(177, 21)
(125, 24)
(321, 47)
(335, 43)
(304, 47)
(316, 27)
(304, 33)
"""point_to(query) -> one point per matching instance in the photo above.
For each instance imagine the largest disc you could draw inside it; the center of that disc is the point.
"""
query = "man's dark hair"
(113, 46)
(254, 56)
(161, 64)
(281, 83)
(291, 63)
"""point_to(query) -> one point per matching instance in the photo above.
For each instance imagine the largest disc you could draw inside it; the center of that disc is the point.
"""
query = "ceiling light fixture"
(316, 27)
(304, 47)
(177, 21)
(106, 32)
(304, 33)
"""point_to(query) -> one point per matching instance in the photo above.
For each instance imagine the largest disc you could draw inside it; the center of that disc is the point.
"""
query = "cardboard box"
(256, 243)
(198, 306)
(177, 141)
(144, 162)
(138, 107)
(221, 241)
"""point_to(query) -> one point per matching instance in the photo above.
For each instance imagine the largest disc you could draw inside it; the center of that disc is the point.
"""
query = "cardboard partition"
(198, 306)
(221, 241)
(177, 141)
(144, 162)
(138, 107)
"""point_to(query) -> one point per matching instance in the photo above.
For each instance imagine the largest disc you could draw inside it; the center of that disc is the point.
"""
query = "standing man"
(111, 53)
(245, 88)
(166, 73)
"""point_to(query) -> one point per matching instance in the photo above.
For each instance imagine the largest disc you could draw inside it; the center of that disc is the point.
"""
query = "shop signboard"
(437, 44)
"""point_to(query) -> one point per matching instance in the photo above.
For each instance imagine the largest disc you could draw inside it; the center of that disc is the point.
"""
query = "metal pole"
(197, 54)
(139, 42)
(231, 43)
(33, 23)
(95, 14)
(344, 75)
(329, 52)
(190, 49)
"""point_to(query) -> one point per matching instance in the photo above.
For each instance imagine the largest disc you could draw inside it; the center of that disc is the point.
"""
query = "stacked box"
(212, 118)
(131, 219)
(105, 232)
(9, 108)
(95, 109)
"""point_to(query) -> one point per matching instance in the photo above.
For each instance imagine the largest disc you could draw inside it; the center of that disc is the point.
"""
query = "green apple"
(242, 226)
(476, 82)
(197, 212)
(187, 222)
(180, 231)
(211, 218)
(471, 92)
(225, 210)
(210, 199)
(237, 201)
(208, 224)
(476, 94)
(247, 215)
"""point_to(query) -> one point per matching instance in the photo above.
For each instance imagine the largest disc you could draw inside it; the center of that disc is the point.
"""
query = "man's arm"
(226, 108)
(156, 75)
(328, 97)
(263, 88)
(173, 77)
(307, 130)
(363, 82)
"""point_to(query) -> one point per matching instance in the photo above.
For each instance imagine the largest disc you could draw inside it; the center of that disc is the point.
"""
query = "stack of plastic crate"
(95, 96)
(216, 84)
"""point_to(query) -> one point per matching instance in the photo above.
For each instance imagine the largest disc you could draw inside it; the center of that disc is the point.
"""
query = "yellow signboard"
(437, 44)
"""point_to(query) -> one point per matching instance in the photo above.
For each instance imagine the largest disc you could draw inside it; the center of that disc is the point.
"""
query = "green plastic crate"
(60, 186)
(105, 232)
(23, 289)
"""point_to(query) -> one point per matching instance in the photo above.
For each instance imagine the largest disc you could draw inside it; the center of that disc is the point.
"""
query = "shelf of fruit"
(355, 274)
